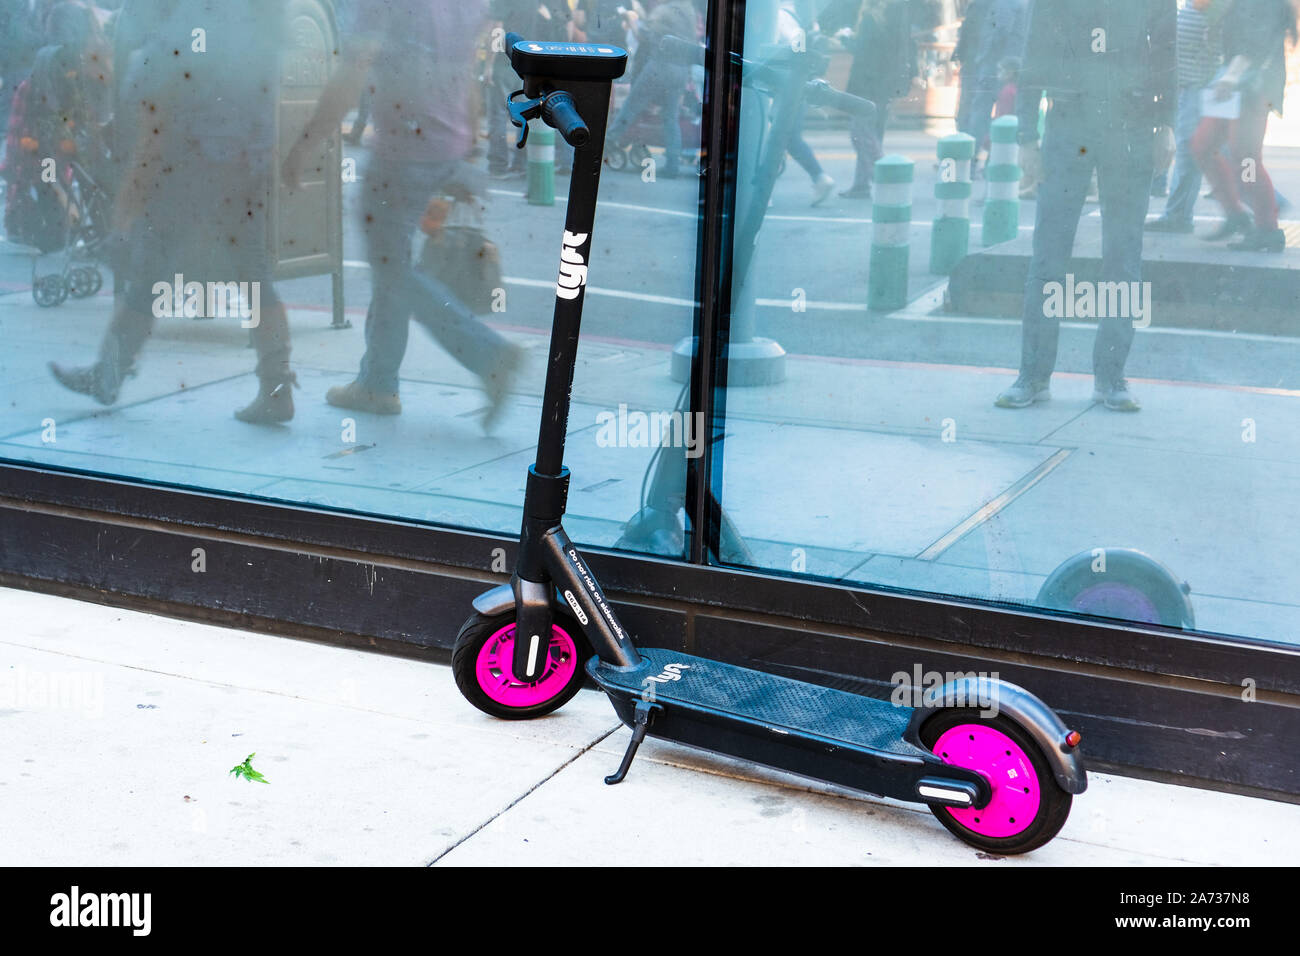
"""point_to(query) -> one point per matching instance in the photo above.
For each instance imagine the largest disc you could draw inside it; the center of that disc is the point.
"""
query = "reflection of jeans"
(801, 152)
(502, 154)
(659, 83)
(867, 133)
(1079, 138)
(982, 100)
(1185, 185)
(395, 198)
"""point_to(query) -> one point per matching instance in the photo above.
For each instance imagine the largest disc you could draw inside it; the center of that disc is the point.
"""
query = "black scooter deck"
(856, 741)
(767, 699)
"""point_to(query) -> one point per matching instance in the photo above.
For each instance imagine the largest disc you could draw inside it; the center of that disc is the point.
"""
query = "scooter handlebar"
(559, 112)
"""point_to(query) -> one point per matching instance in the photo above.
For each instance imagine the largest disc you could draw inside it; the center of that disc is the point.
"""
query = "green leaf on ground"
(246, 770)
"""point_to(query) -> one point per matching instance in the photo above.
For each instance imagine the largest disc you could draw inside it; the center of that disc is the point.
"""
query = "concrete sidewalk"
(118, 730)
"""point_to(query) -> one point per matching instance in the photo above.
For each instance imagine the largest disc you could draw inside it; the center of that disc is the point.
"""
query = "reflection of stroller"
(648, 130)
(53, 203)
(84, 206)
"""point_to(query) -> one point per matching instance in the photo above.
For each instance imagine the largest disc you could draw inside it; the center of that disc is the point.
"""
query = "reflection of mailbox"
(306, 224)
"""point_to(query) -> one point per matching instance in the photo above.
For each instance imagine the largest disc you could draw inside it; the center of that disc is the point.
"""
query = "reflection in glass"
(224, 220)
(1081, 417)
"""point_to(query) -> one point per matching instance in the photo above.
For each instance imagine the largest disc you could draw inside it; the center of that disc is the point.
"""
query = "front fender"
(499, 600)
(1037, 719)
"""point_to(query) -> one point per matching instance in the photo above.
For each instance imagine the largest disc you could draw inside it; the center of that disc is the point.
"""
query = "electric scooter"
(997, 767)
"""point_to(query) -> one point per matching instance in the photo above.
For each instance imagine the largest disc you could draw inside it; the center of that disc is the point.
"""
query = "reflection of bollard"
(1002, 207)
(891, 218)
(951, 234)
(541, 166)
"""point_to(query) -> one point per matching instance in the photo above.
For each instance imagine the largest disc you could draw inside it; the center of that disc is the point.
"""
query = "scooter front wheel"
(481, 663)
(1028, 808)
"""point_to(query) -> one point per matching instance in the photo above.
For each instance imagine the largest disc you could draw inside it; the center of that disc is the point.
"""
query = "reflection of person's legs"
(802, 153)
(132, 320)
(981, 112)
(1123, 178)
(502, 154)
(1068, 170)
(1207, 142)
(671, 104)
(393, 206)
(639, 99)
(1246, 142)
(1185, 184)
(964, 96)
(866, 131)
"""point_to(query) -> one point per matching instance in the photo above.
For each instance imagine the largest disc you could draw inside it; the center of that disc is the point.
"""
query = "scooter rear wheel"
(481, 659)
(1028, 808)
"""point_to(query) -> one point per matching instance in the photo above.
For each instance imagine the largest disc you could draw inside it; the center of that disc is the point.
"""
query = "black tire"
(616, 158)
(477, 631)
(1054, 803)
(49, 291)
(84, 282)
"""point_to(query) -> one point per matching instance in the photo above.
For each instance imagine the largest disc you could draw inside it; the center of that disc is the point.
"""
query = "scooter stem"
(568, 86)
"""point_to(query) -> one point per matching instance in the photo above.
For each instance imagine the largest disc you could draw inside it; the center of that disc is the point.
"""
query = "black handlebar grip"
(559, 112)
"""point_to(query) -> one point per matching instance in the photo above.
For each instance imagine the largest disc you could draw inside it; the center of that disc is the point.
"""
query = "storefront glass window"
(174, 228)
(1037, 363)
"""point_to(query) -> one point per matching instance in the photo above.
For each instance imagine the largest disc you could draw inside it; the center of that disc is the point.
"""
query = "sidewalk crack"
(523, 796)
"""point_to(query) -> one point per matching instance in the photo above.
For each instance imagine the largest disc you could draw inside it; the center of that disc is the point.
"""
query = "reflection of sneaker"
(86, 380)
(822, 188)
(1023, 394)
(497, 385)
(857, 192)
(357, 397)
(1260, 240)
(1116, 397)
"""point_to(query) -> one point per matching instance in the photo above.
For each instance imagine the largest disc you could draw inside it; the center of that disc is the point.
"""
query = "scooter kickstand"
(641, 722)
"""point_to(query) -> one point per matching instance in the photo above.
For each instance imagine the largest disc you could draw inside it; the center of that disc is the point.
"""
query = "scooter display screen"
(569, 61)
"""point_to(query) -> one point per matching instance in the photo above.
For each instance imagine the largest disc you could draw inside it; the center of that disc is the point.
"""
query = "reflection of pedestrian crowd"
(191, 123)
(190, 136)
(1115, 76)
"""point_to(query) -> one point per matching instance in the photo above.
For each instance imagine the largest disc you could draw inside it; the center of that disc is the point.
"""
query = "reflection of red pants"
(1245, 139)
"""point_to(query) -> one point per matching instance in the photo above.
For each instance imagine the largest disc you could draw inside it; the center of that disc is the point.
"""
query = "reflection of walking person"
(1108, 68)
(992, 31)
(198, 130)
(884, 62)
(1199, 53)
(792, 33)
(1236, 107)
(660, 81)
(419, 54)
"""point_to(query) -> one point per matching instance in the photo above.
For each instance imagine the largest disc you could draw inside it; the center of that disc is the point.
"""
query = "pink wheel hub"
(1005, 765)
(494, 673)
